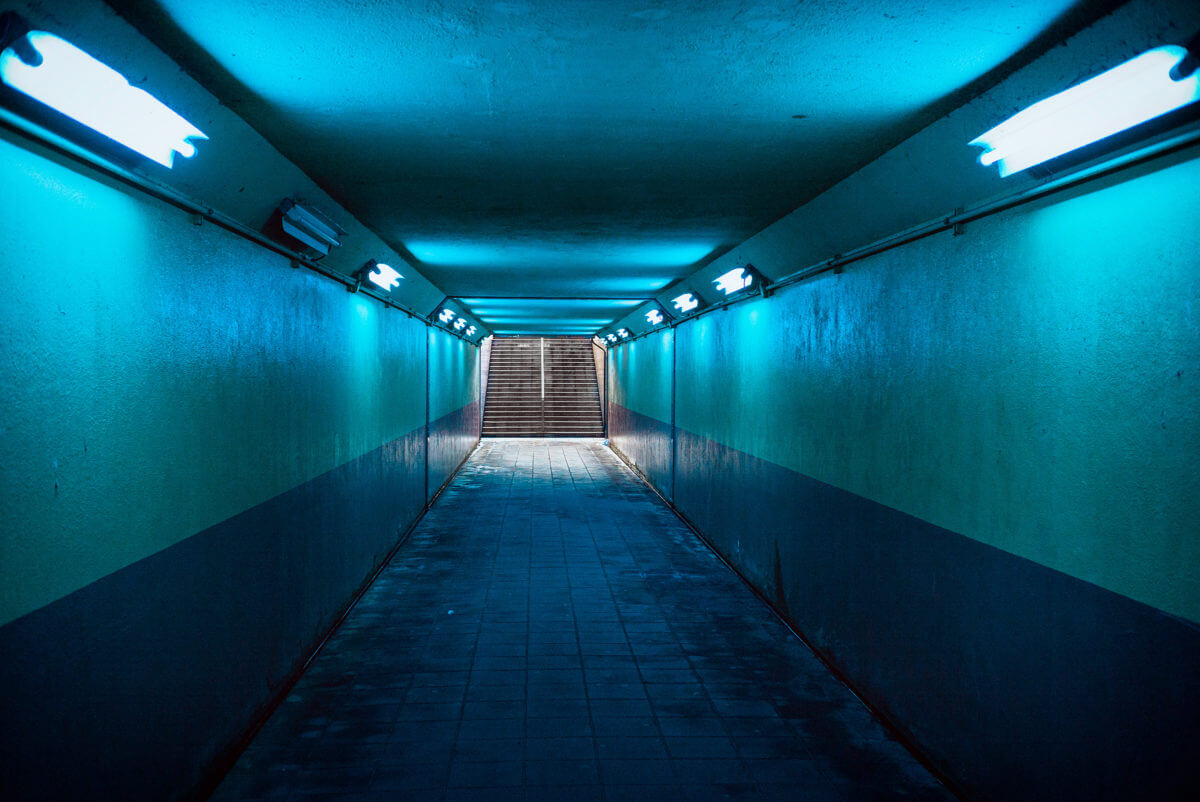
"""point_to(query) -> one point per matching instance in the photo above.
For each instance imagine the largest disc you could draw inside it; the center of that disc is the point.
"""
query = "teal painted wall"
(149, 359)
(968, 470)
(454, 374)
(1032, 384)
(454, 409)
(205, 453)
(647, 364)
(639, 381)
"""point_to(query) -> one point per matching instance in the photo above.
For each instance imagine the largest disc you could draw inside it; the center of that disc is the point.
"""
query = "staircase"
(572, 403)
(513, 407)
(542, 387)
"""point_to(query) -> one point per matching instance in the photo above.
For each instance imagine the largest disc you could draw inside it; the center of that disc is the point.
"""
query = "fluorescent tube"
(385, 276)
(733, 281)
(73, 83)
(1127, 95)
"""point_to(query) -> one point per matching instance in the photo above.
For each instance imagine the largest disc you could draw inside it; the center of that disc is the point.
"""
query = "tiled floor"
(552, 631)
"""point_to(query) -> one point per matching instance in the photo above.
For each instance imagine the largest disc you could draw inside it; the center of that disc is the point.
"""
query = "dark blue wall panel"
(1021, 681)
(453, 412)
(965, 468)
(451, 439)
(124, 688)
(645, 442)
(641, 389)
(167, 558)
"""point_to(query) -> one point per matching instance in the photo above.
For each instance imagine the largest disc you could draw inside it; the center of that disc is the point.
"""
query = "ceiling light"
(656, 315)
(1141, 89)
(622, 333)
(685, 303)
(383, 276)
(735, 280)
(470, 331)
(612, 338)
(459, 324)
(447, 315)
(54, 72)
(309, 226)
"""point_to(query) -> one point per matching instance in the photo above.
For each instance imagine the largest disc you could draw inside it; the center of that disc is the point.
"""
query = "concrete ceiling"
(596, 150)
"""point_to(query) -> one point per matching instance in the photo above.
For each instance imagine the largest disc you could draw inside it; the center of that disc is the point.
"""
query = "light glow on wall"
(385, 276)
(733, 281)
(686, 302)
(88, 91)
(1121, 98)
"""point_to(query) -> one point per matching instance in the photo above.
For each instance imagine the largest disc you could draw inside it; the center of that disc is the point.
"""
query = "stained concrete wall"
(205, 453)
(641, 406)
(966, 468)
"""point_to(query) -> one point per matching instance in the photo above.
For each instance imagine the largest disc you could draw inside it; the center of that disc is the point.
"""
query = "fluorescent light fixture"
(470, 331)
(1125, 96)
(447, 315)
(309, 226)
(612, 338)
(735, 280)
(656, 315)
(622, 333)
(459, 324)
(383, 276)
(685, 303)
(56, 73)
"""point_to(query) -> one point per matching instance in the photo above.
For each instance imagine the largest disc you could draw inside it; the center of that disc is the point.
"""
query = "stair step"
(522, 402)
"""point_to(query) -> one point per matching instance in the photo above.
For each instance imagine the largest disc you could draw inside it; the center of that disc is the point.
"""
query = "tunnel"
(629, 400)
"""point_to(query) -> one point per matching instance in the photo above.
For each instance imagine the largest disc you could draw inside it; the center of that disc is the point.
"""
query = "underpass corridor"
(551, 630)
(747, 399)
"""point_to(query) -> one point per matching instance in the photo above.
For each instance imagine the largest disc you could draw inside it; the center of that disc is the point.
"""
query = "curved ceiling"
(588, 151)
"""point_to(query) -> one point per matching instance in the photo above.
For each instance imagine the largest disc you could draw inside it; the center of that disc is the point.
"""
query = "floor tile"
(551, 631)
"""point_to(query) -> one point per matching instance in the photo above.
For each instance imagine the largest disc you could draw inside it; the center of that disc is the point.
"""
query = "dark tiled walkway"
(552, 631)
